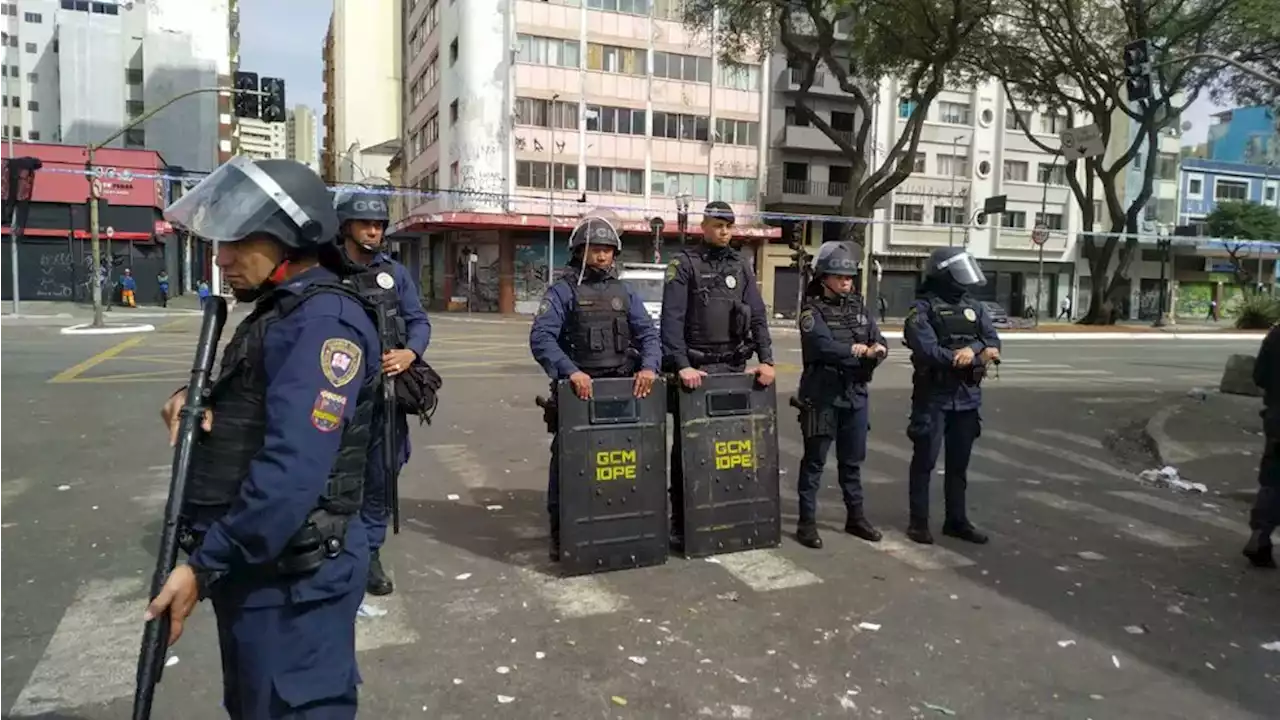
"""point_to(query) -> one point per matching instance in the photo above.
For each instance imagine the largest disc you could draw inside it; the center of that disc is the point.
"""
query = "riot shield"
(613, 477)
(729, 456)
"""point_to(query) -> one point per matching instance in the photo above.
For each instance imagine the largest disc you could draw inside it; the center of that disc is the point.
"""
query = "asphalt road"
(1097, 598)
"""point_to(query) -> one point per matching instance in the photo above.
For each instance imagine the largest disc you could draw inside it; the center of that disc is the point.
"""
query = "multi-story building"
(1248, 135)
(362, 88)
(79, 71)
(520, 116)
(300, 136)
(262, 140)
(1205, 183)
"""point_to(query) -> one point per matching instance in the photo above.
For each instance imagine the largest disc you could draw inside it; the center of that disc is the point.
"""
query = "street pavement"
(1097, 598)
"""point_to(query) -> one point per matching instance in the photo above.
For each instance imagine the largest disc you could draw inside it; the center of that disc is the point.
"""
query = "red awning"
(476, 221)
(81, 234)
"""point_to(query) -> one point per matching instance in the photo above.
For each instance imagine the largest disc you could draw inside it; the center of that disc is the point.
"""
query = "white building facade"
(262, 140)
(362, 87)
(301, 137)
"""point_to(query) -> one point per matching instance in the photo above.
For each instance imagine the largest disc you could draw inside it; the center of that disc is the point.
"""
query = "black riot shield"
(729, 455)
(613, 477)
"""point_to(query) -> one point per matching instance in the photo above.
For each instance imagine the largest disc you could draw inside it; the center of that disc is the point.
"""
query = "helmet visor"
(234, 202)
(963, 269)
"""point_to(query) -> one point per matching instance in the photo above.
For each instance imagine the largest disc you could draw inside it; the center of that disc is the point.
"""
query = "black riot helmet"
(281, 198)
(954, 266)
(595, 229)
(838, 258)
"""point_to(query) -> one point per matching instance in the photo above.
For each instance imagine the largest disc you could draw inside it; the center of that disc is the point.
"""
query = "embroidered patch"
(970, 315)
(385, 281)
(544, 307)
(673, 267)
(616, 304)
(731, 282)
(806, 321)
(339, 360)
(326, 414)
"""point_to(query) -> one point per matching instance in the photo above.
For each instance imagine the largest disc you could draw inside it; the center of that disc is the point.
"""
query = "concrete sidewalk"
(1211, 438)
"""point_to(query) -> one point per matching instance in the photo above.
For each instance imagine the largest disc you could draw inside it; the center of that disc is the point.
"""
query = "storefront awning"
(80, 234)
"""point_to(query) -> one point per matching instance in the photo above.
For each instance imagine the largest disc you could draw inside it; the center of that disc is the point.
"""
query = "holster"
(815, 420)
(550, 409)
(321, 537)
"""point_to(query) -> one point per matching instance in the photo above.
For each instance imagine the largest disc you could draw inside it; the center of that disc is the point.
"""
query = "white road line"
(1123, 523)
(462, 462)
(894, 451)
(1054, 370)
(92, 656)
(999, 457)
(1061, 453)
(1092, 379)
(766, 570)
(1239, 526)
(575, 597)
(1089, 442)
(1115, 400)
(387, 630)
(920, 557)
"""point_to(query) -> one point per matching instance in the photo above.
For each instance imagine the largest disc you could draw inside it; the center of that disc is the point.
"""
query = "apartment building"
(300, 136)
(262, 140)
(362, 89)
(607, 104)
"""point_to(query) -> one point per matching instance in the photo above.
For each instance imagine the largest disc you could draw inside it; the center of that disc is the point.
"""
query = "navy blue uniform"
(418, 331)
(834, 389)
(288, 642)
(550, 345)
(677, 292)
(1265, 515)
(945, 401)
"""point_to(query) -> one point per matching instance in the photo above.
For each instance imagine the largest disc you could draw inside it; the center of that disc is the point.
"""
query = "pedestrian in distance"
(841, 346)
(363, 217)
(590, 325)
(1265, 515)
(952, 342)
(271, 514)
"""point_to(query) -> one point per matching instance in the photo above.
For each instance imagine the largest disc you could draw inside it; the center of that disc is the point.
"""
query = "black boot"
(857, 525)
(1258, 550)
(918, 532)
(554, 552)
(378, 583)
(807, 535)
(964, 531)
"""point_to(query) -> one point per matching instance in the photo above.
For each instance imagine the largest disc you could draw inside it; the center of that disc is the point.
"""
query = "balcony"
(803, 192)
(824, 84)
(810, 139)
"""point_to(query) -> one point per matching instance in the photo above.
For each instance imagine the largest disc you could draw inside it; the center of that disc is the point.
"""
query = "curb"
(1167, 450)
(88, 329)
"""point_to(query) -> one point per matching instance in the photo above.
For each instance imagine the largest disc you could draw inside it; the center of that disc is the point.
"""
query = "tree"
(1067, 56)
(1251, 30)
(924, 44)
(1244, 221)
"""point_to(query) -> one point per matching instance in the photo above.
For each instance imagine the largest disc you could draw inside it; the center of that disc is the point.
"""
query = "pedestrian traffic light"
(1137, 70)
(245, 103)
(273, 101)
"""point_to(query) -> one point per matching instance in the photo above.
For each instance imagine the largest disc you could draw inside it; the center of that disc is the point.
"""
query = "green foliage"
(1251, 30)
(1244, 221)
(1256, 312)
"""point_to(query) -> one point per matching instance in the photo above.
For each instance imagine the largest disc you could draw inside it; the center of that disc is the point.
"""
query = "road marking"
(1056, 370)
(386, 630)
(1094, 443)
(920, 557)
(93, 653)
(1125, 524)
(1240, 526)
(796, 451)
(766, 570)
(575, 597)
(1068, 455)
(1092, 379)
(80, 368)
(1115, 400)
(462, 462)
(894, 451)
(999, 457)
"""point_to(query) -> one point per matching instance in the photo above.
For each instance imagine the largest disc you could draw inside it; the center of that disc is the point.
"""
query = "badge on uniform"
(806, 321)
(339, 360)
(385, 281)
(731, 282)
(970, 315)
(545, 307)
(673, 267)
(616, 304)
(326, 414)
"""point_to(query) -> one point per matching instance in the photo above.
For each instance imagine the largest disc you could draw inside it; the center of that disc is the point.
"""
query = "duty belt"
(697, 358)
(322, 537)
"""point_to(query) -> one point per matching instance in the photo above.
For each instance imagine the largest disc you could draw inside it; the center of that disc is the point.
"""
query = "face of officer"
(598, 257)
(838, 284)
(716, 232)
(365, 232)
(247, 264)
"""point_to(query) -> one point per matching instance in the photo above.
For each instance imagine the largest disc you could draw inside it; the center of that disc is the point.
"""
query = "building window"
(1167, 166)
(1195, 187)
(10, 40)
(688, 68)
(15, 101)
(618, 60)
(794, 117)
(737, 132)
(668, 10)
(1017, 120)
(431, 130)
(735, 190)
(33, 105)
(8, 9)
(628, 7)
(1053, 221)
(1016, 219)
(953, 165)
(908, 213)
(32, 17)
(734, 76)
(539, 113)
(31, 48)
(948, 214)
(31, 77)
(34, 135)
(1052, 124)
(1269, 195)
(671, 184)
(1050, 174)
(905, 108)
(616, 121)
(953, 113)
(619, 181)
(135, 138)
(1231, 190)
(534, 174)
(133, 107)
(675, 126)
(453, 52)
(1015, 170)
(133, 76)
(453, 113)
(554, 52)
(104, 8)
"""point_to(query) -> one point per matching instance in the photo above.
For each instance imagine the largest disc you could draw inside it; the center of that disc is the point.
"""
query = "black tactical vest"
(846, 320)
(599, 329)
(956, 324)
(220, 459)
(385, 299)
(716, 296)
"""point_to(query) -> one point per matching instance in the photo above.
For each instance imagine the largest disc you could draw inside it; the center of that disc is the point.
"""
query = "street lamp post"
(1164, 245)
(551, 192)
(951, 216)
(95, 188)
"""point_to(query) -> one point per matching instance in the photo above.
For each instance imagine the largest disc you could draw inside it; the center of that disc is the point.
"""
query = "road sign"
(111, 232)
(1040, 235)
(1081, 142)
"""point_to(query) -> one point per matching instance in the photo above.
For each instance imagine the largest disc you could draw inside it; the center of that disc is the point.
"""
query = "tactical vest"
(599, 328)
(847, 321)
(712, 322)
(220, 459)
(385, 300)
(956, 324)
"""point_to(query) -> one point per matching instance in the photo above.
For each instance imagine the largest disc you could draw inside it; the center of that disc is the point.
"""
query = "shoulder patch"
(326, 414)
(673, 267)
(806, 321)
(545, 306)
(340, 360)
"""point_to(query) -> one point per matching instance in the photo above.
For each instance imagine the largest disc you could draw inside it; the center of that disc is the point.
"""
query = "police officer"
(952, 344)
(1265, 515)
(363, 218)
(270, 519)
(841, 346)
(713, 321)
(590, 325)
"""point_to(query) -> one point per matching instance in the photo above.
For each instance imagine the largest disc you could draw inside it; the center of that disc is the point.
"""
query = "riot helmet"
(595, 230)
(838, 258)
(954, 266)
(356, 202)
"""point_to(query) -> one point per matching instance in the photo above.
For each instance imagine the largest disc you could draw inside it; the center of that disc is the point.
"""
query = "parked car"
(999, 316)
(646, 280)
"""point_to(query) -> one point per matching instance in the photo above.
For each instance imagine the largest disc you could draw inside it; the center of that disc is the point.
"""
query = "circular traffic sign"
(1040, 235)
(110, 232)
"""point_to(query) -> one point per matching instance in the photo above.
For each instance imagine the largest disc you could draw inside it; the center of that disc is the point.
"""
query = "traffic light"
(273, 101)
(796, 243)
(1137, 70)
(246, 104)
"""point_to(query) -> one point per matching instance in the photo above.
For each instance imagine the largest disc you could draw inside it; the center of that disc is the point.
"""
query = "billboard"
(63, 178)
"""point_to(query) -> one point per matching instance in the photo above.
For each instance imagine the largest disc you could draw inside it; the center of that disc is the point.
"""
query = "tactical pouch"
(321, 538)
(417, 390)
(550, 410)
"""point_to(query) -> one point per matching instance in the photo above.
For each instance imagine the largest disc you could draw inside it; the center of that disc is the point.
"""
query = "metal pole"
(551, 195)
(1044, 206)
(951, 220)
(1039, 282)
(94, 246)
(13, 236)
(800, 272)
(1164, 258)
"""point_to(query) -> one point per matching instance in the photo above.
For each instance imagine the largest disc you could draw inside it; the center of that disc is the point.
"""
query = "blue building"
(1245, 135)
(1205, 183)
